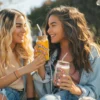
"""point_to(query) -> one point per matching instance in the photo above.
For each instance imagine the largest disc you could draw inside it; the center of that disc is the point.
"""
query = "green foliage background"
(88, 7)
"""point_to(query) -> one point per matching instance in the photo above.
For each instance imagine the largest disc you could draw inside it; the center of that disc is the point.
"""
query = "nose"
(49, 30)
(23, 29)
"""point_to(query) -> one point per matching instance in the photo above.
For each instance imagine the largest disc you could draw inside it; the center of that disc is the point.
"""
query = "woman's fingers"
(37, 51)
(41, 64)
(55, 82)
(65, 88)
(40, 60)
(65, 78)
(40, 57)
(65, 82)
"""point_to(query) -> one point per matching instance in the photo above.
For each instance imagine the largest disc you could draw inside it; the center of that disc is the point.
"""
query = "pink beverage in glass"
(61, 66)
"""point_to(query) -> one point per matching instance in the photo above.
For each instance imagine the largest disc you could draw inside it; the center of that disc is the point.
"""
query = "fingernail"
(64, 75)
(58, 80)
(58, 84)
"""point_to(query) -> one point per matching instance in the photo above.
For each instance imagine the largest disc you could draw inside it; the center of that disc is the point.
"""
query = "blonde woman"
(16, 55)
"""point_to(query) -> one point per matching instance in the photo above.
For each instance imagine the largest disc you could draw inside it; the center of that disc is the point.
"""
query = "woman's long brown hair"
(76, 32)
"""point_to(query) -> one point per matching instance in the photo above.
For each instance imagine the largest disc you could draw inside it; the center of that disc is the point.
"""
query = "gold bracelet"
(16, 74)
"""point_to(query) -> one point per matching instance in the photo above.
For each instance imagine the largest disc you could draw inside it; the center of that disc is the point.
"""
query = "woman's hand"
(54, 80)
(67, 83)
(37, 52)
(57, 76)
(38, 62)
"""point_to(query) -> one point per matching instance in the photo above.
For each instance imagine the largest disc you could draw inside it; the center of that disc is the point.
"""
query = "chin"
(20, 41)
(54, 42)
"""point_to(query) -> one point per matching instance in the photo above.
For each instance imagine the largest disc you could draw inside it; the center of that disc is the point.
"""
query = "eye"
(53, 25)
(18, 26)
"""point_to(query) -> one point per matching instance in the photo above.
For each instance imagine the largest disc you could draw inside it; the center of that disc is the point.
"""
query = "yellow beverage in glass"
(42, 45)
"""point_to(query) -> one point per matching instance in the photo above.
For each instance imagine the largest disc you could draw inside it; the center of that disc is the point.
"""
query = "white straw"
(64, 56)
(39, 29)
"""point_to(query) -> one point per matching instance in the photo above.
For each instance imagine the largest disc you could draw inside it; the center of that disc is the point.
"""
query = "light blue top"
(89, 82)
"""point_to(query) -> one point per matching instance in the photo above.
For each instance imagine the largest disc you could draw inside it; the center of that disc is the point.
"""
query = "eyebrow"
(20, 24)
(52, 23)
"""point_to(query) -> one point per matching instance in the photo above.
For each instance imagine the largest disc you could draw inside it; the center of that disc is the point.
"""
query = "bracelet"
(16, 74)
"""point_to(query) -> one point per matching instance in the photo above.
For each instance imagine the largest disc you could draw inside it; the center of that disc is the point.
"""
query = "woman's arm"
(41, 72)
(30, 87)
(91, 86)
(8, 79)
(44, 85)
(89, 82)
(66, 83)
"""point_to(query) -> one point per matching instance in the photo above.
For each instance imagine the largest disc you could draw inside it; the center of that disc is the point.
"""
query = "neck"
(64, 46)
(12, 46)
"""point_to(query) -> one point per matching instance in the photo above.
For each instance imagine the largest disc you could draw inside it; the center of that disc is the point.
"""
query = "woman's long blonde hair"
(23, 50)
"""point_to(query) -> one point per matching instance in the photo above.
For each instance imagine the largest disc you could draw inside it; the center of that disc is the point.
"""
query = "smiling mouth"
(52, 36)
(22, 37)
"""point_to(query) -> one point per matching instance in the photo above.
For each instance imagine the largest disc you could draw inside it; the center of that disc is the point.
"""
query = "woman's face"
(20, 30)
(55, 29)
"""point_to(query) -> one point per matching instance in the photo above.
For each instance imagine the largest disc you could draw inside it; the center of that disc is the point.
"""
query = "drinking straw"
(64, 56)
(39, 29)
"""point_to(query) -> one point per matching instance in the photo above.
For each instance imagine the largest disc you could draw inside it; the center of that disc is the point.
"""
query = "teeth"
(52, 35)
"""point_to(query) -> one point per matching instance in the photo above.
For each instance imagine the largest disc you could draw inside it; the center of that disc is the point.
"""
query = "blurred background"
(36, 10)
